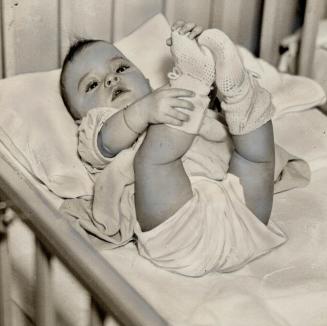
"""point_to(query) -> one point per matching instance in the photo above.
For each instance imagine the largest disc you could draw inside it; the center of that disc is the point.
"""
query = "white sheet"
(286, 287)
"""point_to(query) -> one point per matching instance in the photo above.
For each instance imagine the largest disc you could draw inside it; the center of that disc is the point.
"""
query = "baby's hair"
(73, 51)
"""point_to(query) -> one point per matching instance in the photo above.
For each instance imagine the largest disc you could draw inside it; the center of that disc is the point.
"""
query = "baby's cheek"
(143, 85)
(97, 99)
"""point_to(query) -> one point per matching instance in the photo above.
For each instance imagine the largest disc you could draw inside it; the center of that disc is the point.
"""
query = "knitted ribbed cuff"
(250, 112)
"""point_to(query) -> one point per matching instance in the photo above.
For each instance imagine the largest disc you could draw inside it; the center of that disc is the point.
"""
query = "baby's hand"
(184, 28)
(160, 106)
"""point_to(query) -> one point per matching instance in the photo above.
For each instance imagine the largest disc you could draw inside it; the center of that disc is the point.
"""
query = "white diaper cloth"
(213, 231)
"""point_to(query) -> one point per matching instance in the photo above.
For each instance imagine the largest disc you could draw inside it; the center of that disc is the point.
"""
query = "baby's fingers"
(178, 92)
(196, 32)
(173, 121)
(186, 28)
(183, 104)
(173, 113)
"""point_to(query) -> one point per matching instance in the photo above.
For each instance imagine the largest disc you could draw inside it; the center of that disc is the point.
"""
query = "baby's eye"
(91, 86)
(122, 68)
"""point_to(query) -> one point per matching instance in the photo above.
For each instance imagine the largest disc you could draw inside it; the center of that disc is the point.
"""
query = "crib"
(34, 36)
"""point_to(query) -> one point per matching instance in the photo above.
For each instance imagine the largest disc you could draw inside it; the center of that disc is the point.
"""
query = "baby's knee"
(162, 145)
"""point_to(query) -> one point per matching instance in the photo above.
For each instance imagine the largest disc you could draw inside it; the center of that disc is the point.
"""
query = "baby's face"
(100, 75)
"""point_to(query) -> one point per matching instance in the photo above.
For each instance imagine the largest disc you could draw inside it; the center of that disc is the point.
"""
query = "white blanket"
(287, 287)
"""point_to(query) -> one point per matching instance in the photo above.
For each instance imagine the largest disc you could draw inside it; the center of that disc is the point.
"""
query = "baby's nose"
(111, 81)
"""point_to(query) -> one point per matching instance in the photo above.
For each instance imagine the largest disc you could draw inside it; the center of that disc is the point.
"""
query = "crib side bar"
(8, 39)
(280, 18)
(5, 272)
(1, 41)
(268, 38)
(97, 315)
(44, 307)
(313, 12)
(110, 290)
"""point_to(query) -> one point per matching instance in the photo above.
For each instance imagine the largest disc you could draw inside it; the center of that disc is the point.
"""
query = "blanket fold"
(109, 220)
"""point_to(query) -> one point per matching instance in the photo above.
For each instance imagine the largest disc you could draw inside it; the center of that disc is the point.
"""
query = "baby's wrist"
(136, 118)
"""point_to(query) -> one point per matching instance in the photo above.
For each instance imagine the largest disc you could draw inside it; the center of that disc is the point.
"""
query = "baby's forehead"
(97, 53)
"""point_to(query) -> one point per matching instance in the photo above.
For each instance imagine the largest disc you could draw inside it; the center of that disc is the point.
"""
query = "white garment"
(214, 231)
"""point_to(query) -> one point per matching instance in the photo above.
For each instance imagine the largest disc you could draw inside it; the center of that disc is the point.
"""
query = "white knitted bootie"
(194, 69)
(246, 105)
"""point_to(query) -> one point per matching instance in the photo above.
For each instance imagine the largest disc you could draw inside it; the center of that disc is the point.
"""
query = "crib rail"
(312, 16)
(40, 43)
(5, 270)
(110, 293)
(276, 15)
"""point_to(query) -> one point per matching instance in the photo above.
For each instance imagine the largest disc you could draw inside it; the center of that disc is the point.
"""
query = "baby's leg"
(248, 110)
(161, 184)
(253, 162)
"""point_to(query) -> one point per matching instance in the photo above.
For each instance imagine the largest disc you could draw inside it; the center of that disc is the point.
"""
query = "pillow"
(288, 60)
(146, 48)
(36, 128)
(289, 93)
(38, 131)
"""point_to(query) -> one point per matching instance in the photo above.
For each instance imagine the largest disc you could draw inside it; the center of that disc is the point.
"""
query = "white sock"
(247, 106)
(194, 70)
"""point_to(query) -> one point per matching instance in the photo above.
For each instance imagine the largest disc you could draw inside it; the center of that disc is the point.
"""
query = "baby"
(196, 198)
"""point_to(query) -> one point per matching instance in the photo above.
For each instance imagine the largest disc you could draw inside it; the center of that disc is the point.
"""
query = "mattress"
(285, 287)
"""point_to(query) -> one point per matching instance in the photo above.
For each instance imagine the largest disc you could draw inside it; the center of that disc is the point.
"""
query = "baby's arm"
(122, 129)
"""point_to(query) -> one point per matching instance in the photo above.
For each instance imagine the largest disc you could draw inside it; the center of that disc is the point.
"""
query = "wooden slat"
(85, 19)
(279, 19)
(189, 11)
(269, 38)
(8, 39)
(324, 9)
(168, 10)
(30, 30)
(1, 43)
(129, 14)
(228, 16)
(44, 308)
(106, 285)
(313, 13)
(97, 315)
(250, 24)
(5, 278)
(240, 20)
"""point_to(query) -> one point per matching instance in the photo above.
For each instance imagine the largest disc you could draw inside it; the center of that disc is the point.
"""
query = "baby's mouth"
(118, 91)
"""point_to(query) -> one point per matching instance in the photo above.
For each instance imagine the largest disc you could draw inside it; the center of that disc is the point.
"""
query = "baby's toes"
(218, 42)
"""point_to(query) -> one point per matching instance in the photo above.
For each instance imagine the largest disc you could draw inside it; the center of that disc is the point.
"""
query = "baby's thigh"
(257, 182)
(161, 184)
